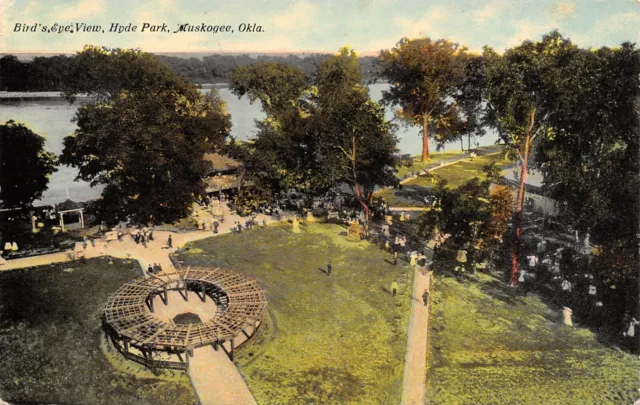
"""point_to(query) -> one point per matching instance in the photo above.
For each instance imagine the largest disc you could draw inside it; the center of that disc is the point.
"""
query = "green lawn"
(461, 172)
(337, 339)
(456, 174)
(51, 345)
(490, 347)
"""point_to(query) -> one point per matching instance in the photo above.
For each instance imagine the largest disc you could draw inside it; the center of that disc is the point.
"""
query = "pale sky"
(315, 26)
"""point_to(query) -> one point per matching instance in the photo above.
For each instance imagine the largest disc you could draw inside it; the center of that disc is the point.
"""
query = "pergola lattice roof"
(127, 313)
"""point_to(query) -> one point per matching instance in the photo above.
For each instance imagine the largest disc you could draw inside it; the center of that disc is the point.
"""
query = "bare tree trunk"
(357, 187)
(517, 234)
(461, 144)
(469, 142)
(425, 139)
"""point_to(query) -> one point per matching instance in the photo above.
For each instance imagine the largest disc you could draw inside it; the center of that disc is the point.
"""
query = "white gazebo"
(70, 207)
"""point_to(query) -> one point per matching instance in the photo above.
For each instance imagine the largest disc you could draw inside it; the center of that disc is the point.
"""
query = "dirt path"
(415, 367)
(216, 380)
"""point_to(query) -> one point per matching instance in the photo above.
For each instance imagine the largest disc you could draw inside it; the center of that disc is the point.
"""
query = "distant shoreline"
(33, 95)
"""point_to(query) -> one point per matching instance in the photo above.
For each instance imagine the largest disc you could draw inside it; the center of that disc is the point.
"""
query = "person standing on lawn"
(394, 288)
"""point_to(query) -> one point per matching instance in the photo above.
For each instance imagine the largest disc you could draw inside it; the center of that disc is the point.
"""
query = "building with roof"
(226, 174)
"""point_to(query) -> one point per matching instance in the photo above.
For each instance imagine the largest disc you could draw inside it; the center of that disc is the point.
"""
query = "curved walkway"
(215, 378)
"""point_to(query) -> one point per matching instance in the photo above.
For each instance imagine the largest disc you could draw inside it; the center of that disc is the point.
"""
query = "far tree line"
(48, 73)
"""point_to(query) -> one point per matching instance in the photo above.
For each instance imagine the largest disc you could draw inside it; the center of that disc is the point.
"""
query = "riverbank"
(34, 95)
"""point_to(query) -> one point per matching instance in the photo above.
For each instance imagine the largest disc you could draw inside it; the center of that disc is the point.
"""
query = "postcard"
(319, 202)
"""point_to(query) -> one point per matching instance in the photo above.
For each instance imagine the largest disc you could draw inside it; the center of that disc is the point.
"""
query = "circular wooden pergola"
(132, 327)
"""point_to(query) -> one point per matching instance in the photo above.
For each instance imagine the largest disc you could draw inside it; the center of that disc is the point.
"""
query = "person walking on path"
(425, 298)
(329, 268)
(395, 257)
(394, 288)
(170, 242)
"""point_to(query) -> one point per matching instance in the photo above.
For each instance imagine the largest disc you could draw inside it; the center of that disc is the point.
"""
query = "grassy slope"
(337, 339)
(50, 340)
(461, 172)
(434, 157)
(456, 174)
(489, 347)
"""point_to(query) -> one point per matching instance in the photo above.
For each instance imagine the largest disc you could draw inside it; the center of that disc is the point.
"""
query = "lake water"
(51, 118)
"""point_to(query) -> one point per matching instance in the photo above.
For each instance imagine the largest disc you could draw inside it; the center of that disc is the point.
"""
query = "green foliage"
(337, 339)
(51, 340)
(474, 216)
(519, 88)
(339, 72)
(490, 347)
(104, 73)
(493, 172)
(353, 137)
(25, 167)
(277, 86)
(145, 144)
(250, 198)
(592, 159)
(316, 136)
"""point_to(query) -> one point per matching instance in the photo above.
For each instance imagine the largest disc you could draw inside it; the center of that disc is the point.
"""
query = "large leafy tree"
(143, 136)
(25, 166)
(355, 141)
(317, 136)
(425, 77)
(278, 158)
(591, 163)
(521, 104)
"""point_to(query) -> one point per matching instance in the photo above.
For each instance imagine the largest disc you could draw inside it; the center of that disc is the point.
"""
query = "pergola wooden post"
(164, 296)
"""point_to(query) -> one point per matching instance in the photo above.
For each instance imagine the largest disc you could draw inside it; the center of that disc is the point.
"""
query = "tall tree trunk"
(517, 234)
(469, 142)
(357, 187)
(461, 144)
(425, 139)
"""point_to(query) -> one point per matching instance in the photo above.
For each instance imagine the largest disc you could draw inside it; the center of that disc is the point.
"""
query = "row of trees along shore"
(49, 73)
(568, 111)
